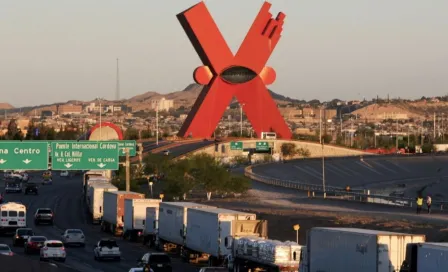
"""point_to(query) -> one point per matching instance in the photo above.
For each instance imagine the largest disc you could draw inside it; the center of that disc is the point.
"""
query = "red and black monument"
(226, 75)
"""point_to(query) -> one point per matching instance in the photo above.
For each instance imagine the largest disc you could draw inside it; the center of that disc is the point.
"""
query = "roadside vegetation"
(290, 150)
(199, 175)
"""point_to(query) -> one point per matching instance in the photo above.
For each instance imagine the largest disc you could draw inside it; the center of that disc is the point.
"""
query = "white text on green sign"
(130, 145)
(17, 155)
(86, 155)
(236, 145)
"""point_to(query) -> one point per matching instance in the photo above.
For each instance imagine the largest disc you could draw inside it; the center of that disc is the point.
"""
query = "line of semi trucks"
(239, 241)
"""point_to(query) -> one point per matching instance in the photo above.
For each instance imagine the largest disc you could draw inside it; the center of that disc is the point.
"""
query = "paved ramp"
(369, 172)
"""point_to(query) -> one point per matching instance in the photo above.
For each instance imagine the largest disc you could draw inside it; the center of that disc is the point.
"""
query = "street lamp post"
(296, 228)
(157, 124)
(241, 120)
(101, 122)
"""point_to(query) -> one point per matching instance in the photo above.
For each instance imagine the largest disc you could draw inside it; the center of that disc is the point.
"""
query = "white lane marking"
(383, 166)
(306, 172)
(333, 171)
(399, 166)
(343, 173)
(369, 168)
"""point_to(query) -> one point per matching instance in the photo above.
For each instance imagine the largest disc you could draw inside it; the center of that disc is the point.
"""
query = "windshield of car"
(31, 185)
(55, 244)
(12, 185)
(108, 244)
(74, 231)
(41, 211)
(159, 258)
(24, 232)
(38, 239)
(4, 248)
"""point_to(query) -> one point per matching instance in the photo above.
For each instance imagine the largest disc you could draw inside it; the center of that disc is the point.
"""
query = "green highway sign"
(18, 155)
(262, 146)
(236, 145)
(85, 155)
(131, 145)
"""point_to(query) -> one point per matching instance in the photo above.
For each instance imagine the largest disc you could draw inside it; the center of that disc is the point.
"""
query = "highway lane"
(188, 147)
(64, 197)
(148, 146)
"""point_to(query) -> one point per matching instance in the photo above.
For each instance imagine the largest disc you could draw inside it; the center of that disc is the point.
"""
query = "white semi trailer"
(351, 249)
(210, 232)
(173, 224)
(423, 257)
(95, 199)
(135, 216)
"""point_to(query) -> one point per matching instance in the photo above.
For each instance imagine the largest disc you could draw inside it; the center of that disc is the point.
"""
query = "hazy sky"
(56, 50)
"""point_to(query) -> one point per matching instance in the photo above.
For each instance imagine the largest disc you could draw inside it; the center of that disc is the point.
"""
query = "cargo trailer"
(210, 231)
(135, 216)
(113, 212)
(423, 257)
(351, 249)
(95, 199)
(261, 254)
(173, 224)
(94, 174)
(151, 226)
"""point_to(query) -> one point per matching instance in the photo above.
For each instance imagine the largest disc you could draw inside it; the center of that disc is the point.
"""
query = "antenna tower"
(117, 90)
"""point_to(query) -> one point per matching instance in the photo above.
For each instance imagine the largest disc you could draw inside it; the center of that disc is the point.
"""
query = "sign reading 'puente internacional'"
(85, 155)
(225, 75)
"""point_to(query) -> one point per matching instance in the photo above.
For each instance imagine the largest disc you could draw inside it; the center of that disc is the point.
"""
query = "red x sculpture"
(225, 75)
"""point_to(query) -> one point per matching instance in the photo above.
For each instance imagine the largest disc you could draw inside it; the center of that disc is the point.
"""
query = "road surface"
(64, 197)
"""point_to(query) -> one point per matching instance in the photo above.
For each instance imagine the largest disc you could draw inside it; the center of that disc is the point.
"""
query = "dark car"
(158, 262)
(43, 215)
(31, 189)
(34, 244)
(21, 236)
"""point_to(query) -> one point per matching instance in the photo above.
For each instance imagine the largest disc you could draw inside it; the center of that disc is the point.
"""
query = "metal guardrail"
(341, 194)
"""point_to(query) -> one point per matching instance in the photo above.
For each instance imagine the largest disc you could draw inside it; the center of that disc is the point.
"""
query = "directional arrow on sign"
(27, 161)
(68, 165)
(2, 161)
(101, 165)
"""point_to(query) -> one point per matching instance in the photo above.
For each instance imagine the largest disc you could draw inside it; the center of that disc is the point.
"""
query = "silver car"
(73, 237)
(5, 250)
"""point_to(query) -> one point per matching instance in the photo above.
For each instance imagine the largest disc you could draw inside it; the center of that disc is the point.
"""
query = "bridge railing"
(315, 190)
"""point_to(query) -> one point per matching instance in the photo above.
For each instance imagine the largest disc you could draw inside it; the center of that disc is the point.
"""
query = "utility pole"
(434, 125)
(320, 126)
(241, 120)
(128, 171)
(443, 130)
(351, 132)
(140, 153)
(117, 91)
(396, 138)
(157, 123)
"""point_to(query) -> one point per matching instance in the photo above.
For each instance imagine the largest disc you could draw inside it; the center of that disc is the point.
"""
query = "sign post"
(262, 146)
(236, 145)
(17, 155)
(85, 155)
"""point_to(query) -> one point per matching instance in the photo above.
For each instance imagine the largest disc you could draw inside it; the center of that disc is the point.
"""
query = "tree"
(178, 181)
(13, 131)
(237, 184)
(288, 149)
(208, 174)
(131, 134)
(156, 164)
(303, 152)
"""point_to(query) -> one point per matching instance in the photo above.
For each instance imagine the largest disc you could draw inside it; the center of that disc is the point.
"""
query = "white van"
(12, 216)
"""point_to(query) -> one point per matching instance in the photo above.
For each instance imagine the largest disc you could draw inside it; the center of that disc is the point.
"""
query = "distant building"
(308, 112)
(69, 109)
(164, 104)
(392, 115)
(46, 113)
